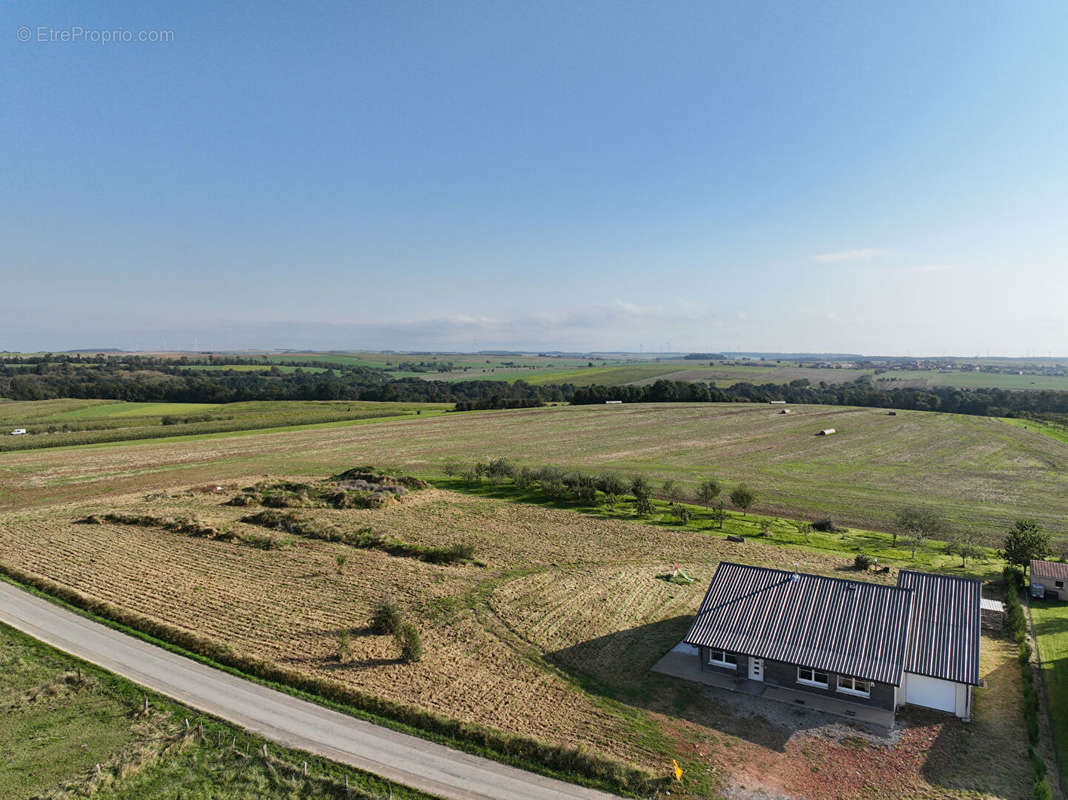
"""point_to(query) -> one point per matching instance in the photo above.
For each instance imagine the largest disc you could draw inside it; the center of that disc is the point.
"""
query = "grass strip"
(1014, 614)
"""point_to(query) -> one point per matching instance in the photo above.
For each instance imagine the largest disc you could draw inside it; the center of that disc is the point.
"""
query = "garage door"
(930, 692)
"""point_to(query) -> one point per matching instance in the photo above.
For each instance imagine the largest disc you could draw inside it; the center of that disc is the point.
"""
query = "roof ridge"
(814, 575)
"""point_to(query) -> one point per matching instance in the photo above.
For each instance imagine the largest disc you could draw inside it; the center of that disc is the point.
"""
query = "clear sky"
(883, 178)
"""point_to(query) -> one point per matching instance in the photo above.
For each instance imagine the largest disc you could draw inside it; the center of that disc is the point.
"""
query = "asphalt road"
(276, 716)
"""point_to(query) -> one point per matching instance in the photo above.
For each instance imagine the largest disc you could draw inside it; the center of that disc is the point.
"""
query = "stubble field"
(980, 473)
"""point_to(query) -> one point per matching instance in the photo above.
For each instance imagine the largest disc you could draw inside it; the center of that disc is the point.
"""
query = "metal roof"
(849, 627)
(1049, 569)
(986, 604)
(944, 630)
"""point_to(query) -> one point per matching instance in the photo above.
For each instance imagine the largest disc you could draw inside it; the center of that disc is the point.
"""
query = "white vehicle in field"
(18, 432)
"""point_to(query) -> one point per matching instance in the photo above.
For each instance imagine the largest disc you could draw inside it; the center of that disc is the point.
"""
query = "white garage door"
(930, 692)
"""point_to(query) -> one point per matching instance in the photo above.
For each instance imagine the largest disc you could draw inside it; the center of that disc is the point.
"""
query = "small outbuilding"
(1048, 579)
(613, 402)
(777, 402)
(826, 432)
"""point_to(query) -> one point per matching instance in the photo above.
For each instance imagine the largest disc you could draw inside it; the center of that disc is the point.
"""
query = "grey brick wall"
(781, 673)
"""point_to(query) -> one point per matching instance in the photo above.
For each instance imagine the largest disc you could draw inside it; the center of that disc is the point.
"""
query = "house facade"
(1048, 579)
(860, 642)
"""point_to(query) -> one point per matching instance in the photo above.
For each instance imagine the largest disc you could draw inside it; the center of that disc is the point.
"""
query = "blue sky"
(885, 178)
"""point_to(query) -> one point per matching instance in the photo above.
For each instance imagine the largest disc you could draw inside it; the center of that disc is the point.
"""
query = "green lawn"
(1050, 620)
(51, 729)
(62, 717)
(1058, 432)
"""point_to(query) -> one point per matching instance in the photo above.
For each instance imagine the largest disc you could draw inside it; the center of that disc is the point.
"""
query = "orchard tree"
(965, 545)
(708, 491)
(742, 497)
(917, 524)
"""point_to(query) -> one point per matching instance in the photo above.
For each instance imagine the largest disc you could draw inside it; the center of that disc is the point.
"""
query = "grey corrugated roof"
(814, 621)
(944, 630)
(1049, 569)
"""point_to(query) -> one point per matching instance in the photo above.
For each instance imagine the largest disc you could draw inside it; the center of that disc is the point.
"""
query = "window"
(811, 677)
(721, 658)
(1060, 584)
(857, 686)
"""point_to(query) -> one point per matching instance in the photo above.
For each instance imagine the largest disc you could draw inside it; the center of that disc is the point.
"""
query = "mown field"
(57, 423)
(548, 631)
(68, 729)
(979, 472)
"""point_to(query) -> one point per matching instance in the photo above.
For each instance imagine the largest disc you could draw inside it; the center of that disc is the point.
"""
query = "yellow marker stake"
(678, 770)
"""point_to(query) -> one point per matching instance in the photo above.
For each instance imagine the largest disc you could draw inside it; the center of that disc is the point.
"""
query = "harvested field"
(551, 636)
(979, 472)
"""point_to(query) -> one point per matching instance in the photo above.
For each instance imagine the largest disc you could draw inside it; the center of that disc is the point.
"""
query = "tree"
(708, 491)
(964, 544)
(742, 497)
(643, 503)
(719, 515)
(671, 491)
(681, 512)
(917, 524)
(1024, 543)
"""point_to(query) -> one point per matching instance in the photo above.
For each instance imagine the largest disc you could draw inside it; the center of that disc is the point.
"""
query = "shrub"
(386, 618)
(1042, 790)
(411, 646)
(344, 647)
(681, 513)
(862, 561)
(826, 525)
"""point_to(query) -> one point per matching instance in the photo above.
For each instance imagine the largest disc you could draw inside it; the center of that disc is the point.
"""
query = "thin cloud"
(862, 254)
(931, 268)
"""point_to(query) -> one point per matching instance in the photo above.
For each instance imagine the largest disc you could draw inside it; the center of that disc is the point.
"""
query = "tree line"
(141, 378)
(150, 379)
(860, 392)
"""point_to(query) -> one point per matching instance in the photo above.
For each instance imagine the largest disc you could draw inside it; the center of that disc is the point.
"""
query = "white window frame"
(847, 684)
(812, 681)
(715, 662)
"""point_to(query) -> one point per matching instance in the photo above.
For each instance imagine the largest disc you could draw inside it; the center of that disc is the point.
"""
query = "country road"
(279, 717)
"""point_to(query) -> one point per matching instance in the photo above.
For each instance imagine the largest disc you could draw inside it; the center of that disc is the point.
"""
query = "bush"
(862, 561)
(386, 618)
(411, 646)
(826, 525)
(1042, 790)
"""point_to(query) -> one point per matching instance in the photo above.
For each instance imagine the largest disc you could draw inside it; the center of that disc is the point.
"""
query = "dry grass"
(552, 636)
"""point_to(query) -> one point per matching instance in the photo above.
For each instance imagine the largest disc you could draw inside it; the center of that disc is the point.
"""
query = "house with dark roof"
(1048, 579)
(861, 642)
